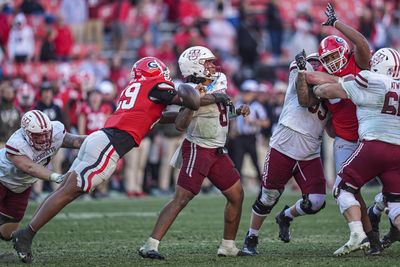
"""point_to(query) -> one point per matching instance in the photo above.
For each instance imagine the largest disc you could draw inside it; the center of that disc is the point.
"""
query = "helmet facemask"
(39, 141)
(335, 60)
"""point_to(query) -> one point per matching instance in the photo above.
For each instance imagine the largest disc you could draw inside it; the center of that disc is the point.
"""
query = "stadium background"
(66, 49)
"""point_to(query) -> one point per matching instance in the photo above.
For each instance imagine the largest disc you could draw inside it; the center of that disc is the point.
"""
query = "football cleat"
(392, 236)
(151, 254)
(250, 245)
(224, 251)
(356, 242)
(22, 245)
(375, 219)
(284, 224)
(376, 247)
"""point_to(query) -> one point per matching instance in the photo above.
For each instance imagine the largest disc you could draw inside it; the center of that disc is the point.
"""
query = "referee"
(249, 127)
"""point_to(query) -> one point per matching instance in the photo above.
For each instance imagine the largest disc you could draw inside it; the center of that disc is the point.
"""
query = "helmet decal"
(193, 54)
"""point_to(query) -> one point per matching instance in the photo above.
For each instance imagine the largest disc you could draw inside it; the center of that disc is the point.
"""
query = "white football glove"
(57, 178)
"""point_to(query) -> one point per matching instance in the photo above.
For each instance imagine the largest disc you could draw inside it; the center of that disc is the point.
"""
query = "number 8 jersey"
(140, 106)
(209, 126)
(377, 99)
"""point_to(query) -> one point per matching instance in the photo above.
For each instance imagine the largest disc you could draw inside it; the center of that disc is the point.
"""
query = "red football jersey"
(344, 117)
(136, 113)
(95, 119)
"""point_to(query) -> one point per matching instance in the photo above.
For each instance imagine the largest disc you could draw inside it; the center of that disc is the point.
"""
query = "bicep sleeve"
(162, 93)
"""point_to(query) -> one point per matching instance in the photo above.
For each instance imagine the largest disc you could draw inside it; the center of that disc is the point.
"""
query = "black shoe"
(284, 224)
(376, 247)
(151, 254)
(375, 219)
(250, 245)
(391, 237)
(22, 245)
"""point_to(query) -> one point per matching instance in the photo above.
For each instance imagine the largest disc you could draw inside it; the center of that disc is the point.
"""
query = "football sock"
(356, 227)
(376, 211)
(153, 243)
(228, 243)
(253, 232)
(288, 213)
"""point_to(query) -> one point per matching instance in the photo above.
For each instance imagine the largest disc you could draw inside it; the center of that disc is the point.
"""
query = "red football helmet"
(150, 68)
(333, 53)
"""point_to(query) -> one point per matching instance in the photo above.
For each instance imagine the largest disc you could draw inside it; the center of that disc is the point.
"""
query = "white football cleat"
(356, 242)
(224, 251)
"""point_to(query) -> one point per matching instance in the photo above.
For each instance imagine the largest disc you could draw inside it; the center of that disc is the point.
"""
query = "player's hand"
(243, 110)
(57, 178)
(330, 13)
(301, 60)
(201, 89)
(222, 98)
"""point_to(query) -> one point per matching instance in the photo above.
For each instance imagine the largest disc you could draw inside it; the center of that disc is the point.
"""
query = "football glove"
(57, 178)
(222, 98)
(330, 13)
(301, 60)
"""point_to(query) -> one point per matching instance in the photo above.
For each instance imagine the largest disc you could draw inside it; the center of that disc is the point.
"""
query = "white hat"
(250, 86)
(106, 87)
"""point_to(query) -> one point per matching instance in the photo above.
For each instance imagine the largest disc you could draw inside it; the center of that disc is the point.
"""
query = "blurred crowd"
(72, 58)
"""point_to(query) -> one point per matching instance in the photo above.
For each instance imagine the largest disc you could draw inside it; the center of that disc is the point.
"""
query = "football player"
(294, 151)
(375, 93)
(139, 107)
(337, 59)
(23, 161)
(203, 153)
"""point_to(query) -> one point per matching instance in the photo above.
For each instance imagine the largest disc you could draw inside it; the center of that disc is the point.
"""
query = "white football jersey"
(209, 126)
(377, 99)
(13, 178)
(307, 123)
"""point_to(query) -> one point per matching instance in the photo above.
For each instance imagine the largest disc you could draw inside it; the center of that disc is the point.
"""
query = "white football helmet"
(37, 129)
(386, 61)
(191, 62)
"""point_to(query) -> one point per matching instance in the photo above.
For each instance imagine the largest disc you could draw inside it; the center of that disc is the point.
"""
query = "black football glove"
(301, 60)
(330, 13)
(222, 98)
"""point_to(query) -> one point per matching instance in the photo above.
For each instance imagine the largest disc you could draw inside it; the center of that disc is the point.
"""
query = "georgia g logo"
(193, 54)
(153, 65)
(339, 40)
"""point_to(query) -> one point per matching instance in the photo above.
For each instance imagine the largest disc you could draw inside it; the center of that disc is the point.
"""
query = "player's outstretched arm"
(183, 119)
(26, 165)
(73, 140)
(362, 50)
(304, 96)
(330, 91)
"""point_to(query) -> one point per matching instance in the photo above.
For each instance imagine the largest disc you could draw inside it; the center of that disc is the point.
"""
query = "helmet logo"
(153, 65)
(25, 121)
(339, 40)
(378, 58)
(193, 54)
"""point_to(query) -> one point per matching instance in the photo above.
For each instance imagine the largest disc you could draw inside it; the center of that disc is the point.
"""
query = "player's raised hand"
(222, 98)
(301, 60)
(243, 110)
(330, 13)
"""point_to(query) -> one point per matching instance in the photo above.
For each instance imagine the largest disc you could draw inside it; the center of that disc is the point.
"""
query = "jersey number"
(223, 119)
(388, 107)
(321, 113)
(128, 96)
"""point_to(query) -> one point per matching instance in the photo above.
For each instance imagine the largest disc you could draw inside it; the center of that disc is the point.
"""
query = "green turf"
(116, 228)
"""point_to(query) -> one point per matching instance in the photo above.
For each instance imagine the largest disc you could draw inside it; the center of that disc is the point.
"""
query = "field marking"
(100, 215)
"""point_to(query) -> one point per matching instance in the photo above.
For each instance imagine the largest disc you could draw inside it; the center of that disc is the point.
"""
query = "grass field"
(109, 232)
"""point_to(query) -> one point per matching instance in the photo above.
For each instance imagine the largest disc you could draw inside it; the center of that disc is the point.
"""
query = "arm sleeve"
(162, 93)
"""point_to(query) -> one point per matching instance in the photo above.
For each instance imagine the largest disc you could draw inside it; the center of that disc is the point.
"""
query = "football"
(189, 96)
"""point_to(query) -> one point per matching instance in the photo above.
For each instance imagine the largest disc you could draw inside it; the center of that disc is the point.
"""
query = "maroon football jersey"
(136, 113)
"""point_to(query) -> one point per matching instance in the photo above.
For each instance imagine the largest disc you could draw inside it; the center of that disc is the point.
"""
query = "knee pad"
(265, 201)
(310, 204)
(346, 200)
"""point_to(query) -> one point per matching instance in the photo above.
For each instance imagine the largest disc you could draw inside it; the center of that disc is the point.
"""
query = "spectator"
(10, 116)
(274, 27)
(25, 97)
(303, 38)
(95, 26)
(247, 41)
(31, 7)
(75, 13)
(21, 42)
(47, 49)
(95, 66)
(108, 92)
(63, 40)
(118, 24)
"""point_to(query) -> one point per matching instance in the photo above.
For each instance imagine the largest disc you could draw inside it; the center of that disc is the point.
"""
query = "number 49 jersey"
(377, 99)
(137, 110)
